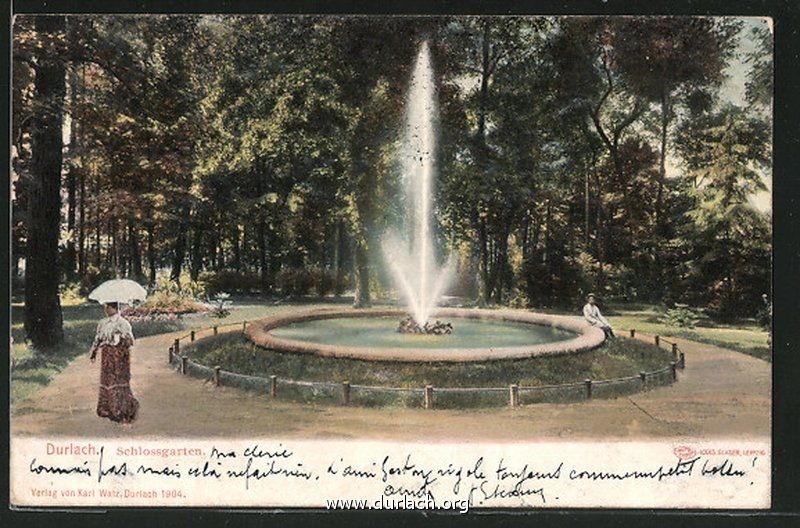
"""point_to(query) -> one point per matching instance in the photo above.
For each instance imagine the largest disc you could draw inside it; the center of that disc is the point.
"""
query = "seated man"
(593, 316)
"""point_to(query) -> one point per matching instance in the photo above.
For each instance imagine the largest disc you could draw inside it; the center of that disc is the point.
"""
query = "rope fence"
(429, 397)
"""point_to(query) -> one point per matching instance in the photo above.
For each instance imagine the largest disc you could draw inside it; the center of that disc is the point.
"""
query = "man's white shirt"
(592, 314)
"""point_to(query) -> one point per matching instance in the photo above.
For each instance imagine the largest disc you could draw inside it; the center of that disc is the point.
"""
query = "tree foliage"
(265, 146)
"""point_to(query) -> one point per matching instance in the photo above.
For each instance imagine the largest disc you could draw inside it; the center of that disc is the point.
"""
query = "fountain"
(367, 334)
(412, 260)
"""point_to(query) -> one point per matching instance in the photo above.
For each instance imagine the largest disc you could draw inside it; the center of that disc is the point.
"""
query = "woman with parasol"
(114, 339)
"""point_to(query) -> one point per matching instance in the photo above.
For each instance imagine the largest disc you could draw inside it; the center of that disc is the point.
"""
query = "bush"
(169, 300)
(184, 287)
(295, 282)
(324, 281)
(230, 281)
(518, 299)
(681, 316)
(340, 284)
(221, 305)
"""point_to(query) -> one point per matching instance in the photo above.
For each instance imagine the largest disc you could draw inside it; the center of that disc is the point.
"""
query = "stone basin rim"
(587, 337)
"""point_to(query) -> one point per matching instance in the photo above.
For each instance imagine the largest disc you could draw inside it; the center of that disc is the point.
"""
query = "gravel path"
(720, 393)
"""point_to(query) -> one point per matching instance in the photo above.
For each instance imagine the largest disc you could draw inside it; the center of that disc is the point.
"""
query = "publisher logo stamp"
(684, 452)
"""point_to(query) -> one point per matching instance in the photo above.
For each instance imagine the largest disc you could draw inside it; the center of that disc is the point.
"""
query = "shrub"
(165, 302)
(681, 316)
(324, 281)
(169, 300)
(295, 281)
(184, 287)
(340, 283)
(221, 305)
(230, 281)
(517, 298)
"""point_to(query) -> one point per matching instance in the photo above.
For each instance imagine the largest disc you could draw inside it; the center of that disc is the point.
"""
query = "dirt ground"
(721, 393)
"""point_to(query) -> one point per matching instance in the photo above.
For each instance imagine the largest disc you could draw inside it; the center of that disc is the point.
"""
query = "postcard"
(440, 263)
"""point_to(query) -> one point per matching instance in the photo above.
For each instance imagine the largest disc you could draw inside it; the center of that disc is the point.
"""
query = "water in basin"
(382, 332)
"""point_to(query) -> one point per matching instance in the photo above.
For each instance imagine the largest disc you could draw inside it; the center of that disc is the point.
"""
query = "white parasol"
(123, 291)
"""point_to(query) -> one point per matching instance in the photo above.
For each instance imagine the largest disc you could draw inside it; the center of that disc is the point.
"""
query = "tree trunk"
(179, 251)
(112, 229)
(151, 254)
(70, 254)
(658, 284)
(43, 318)
(484, 87)
(82, 226)
(362, 295)
(97, 228)
(196, 262)
(135, 254)
(244, 248)
(124, 250)
(662, 169)
(263, 267)
(483, 264)
(491, 258)
(503, 275)
(586, 200)
(237, 251)
(338, 268)
(82, 249)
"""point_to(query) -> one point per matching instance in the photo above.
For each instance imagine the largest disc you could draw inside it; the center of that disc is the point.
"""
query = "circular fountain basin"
(370, 334)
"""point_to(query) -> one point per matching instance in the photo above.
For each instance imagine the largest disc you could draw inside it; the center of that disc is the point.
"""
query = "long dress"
(114, 339)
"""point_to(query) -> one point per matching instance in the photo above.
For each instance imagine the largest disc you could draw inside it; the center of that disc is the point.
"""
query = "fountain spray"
(413, 262)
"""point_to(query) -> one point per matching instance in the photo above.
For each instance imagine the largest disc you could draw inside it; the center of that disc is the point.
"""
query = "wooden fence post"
(216, 330)
(588, 384)
(633, 333)
(513, 395)
(658, 340)
(171, 357)
(184, 364)
(643, 380)
(191, 335)
(177, 347)
(682, 361)
(273, 386)
(429, 396)
(216, 376)
(675, 351)
(673, 366)
(346, 393)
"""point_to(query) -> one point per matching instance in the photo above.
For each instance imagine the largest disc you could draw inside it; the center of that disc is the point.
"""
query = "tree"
(43, 320)
(590, 87)
(662, 58)
(760, 78)
(264, 148)
(726, 151)
(478, 50)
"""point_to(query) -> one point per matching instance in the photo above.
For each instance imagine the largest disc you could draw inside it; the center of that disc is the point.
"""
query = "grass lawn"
(747, 337)
(617, 359)
(33, 370)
